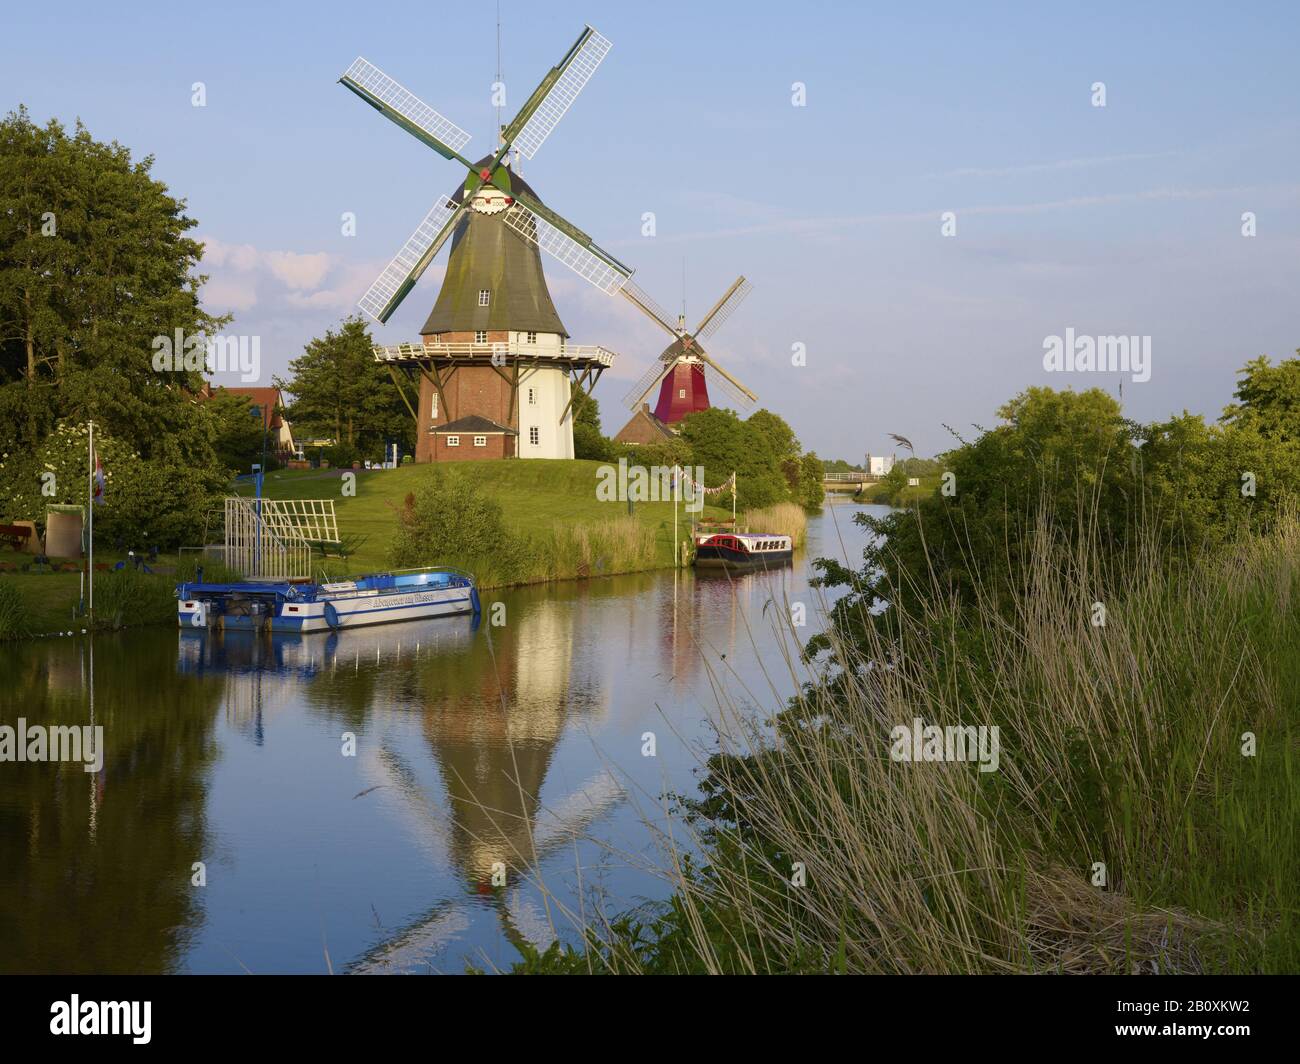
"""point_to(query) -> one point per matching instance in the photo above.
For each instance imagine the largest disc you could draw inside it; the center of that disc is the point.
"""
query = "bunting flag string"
(726, 485)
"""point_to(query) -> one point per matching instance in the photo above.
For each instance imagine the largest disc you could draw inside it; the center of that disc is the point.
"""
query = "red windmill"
(684, 370)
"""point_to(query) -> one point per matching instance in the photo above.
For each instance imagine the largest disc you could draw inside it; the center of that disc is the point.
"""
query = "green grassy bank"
(882, 494)
(552, 504)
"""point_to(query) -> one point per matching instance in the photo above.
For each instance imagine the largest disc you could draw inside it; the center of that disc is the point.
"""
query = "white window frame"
(534, 436)
(480, 336)
(453, 441)
(484, 297)
(480, 441)
(681, 393)
(530, 338)
(435, 406)
(532, 396)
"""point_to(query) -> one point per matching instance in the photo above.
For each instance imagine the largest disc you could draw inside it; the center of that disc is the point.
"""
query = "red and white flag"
(98, 496)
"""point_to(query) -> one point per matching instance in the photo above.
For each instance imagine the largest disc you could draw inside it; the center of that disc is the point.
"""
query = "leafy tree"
(94, 266)
(811, 490)
(1268, 399)
(1070, 459)
(340, 391)
(665, 453)
(237, 431)
(721, 442)
(780, 437)
(158, 499)
(588, 440)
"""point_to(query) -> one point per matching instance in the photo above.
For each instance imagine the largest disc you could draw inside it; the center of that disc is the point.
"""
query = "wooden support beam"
(392, 372)
(513, 419)
(579, 381)
(435, 378)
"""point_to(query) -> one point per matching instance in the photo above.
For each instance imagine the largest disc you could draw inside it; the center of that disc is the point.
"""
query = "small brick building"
(644, 427)
(471, 438)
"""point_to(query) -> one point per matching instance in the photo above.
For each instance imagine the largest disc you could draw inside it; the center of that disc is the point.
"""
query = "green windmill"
(488, 184)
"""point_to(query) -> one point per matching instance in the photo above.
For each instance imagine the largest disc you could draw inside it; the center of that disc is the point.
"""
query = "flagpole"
(677, 547)
(90, 537)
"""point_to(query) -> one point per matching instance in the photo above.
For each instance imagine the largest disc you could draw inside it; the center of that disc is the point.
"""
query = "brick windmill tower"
(494, 375)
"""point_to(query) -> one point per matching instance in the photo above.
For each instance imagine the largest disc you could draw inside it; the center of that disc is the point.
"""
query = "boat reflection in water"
(486, 761)
(490, 705)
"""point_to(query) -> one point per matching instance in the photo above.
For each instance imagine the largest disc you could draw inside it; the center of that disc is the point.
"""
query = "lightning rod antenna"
(497, 94)
(681, 322)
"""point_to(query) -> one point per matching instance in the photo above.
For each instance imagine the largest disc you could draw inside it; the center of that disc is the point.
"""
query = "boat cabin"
(742, 550)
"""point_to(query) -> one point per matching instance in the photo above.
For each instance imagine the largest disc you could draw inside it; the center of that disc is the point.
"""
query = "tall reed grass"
(13, 611)
(128, 597)
(782, 519)
(564, 552)
(1130, 826)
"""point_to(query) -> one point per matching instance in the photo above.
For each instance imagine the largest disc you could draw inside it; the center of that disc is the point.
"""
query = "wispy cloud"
(242, 276)
(1039, 168)
(833, 224)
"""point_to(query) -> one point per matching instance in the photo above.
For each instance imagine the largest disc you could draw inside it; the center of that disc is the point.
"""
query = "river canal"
(510, 752)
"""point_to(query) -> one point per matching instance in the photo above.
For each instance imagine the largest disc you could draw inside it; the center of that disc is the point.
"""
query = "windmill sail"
(586, 260)
(565, 82)
(639, 298)
(724, 308)
(404, 107)
(718, 378)
(637, 393)
(400, 275)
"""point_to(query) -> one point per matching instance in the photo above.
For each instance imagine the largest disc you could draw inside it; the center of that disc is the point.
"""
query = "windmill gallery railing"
(490, 352)
(272, 539)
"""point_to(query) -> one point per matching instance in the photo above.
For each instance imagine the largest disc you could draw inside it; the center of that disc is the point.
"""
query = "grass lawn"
(535, 495)
(49, 598)
(879, 493)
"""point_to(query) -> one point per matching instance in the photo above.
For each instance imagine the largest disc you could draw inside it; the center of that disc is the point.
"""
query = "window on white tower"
(532, 397)
(484, 297)
(534, 436)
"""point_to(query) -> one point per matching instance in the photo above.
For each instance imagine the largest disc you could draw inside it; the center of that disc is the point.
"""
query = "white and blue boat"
(308, 606)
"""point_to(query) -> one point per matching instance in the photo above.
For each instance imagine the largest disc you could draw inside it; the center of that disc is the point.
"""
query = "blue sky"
(1123, 219)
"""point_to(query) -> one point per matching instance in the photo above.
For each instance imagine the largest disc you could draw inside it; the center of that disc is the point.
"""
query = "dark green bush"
(448, 521)
(128, 597)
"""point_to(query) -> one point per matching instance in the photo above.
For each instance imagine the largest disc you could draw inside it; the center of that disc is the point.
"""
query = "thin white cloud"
(299, 272)
(1038, 168)
(833, 225)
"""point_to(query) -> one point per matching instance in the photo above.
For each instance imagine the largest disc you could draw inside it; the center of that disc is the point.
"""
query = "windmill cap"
(516, 182)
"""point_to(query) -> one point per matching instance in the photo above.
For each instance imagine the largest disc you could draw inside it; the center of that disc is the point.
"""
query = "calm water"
(516, 746)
